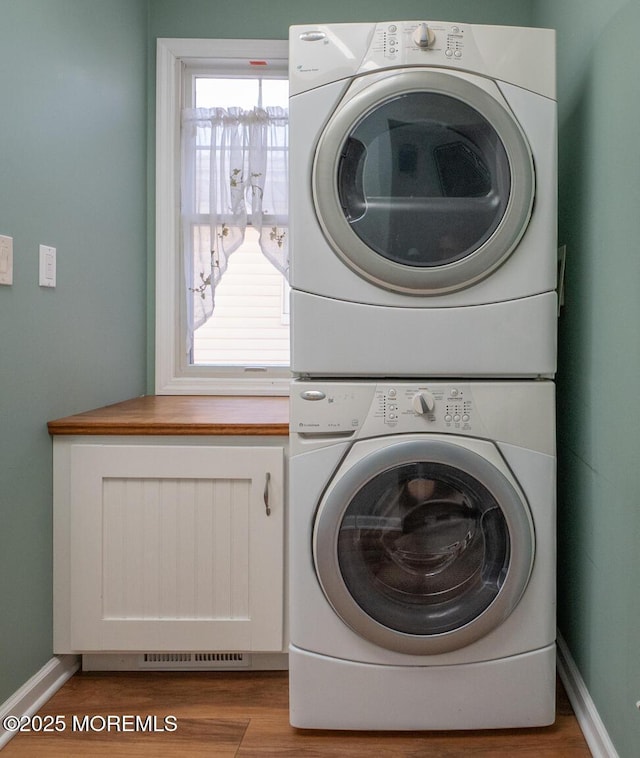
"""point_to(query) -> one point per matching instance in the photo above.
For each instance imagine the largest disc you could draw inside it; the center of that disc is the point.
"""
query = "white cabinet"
(168, 544)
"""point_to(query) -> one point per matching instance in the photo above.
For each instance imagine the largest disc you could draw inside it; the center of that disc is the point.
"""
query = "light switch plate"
(47, 266)
(6, 259)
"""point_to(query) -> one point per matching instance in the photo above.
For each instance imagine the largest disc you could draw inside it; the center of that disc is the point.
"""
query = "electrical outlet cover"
(6, 260)
(47, 266)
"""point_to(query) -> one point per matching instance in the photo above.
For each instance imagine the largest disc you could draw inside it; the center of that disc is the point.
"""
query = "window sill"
(182, 415)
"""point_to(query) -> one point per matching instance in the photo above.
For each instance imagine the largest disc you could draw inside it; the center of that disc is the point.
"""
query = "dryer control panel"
(324, 53)
(419, 42)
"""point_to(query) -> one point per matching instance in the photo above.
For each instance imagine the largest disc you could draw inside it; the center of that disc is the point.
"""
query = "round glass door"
(423, 182)
(426, 552)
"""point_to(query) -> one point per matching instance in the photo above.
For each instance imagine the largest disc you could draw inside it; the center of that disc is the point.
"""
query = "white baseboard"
(36, 691)
(591, 724)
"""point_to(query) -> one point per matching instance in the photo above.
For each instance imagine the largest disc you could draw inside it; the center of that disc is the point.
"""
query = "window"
(242, 347)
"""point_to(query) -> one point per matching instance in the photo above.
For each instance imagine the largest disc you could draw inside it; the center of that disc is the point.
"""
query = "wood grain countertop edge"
(181, 415)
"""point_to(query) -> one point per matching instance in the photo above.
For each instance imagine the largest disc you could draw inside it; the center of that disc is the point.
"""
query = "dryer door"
(423, 546)
(423, 182)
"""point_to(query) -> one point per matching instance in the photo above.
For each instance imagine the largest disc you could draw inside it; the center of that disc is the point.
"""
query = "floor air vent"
(191, 661)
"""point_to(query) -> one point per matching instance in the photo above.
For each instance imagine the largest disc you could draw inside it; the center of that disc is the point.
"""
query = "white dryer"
(423, 200)
(422, 555)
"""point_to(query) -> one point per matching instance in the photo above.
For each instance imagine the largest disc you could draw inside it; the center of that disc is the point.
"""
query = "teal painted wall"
(82, 189)
(599, 405)
(73, 83)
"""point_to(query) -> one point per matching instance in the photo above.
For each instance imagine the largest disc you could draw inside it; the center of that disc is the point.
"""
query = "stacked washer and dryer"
(423, 309)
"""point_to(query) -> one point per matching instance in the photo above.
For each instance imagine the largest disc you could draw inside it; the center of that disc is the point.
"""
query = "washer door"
(423, 182)
(423, 546)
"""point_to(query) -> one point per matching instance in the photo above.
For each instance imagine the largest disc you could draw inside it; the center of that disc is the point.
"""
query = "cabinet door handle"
(266, 493)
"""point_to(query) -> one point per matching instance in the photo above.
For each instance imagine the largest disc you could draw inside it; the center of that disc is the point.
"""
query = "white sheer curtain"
(234, 170)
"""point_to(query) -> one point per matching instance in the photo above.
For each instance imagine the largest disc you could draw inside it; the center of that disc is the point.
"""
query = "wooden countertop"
(182, 415)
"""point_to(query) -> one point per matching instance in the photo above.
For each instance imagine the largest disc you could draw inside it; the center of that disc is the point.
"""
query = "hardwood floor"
(246, 714)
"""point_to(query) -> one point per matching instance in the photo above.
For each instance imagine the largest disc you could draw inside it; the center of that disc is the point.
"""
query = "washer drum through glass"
(423, 546)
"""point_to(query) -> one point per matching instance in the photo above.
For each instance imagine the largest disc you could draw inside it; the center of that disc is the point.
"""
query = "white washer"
(423, 200)
(422, 555)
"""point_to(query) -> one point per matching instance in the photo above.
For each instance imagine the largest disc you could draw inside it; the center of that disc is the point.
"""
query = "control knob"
(423, 402)
(423, 36)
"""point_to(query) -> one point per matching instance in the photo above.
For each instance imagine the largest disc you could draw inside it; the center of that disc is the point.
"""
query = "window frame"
(173, 376)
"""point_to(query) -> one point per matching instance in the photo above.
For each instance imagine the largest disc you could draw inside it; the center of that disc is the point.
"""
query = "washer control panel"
(379, 407)
(326, 412)
(447, 406)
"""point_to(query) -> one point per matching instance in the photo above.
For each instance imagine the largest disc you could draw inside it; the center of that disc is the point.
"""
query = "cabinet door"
(173, 548)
